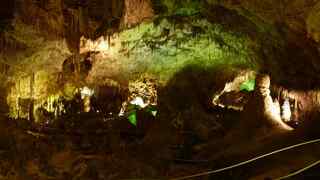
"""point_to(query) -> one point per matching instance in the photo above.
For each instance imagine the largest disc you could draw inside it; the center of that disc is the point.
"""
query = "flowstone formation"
(313, 25)
(262, 110)
(124, 89)
(207, 43)
(162, 47)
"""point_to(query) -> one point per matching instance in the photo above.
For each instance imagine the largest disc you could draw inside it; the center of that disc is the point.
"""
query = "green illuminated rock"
(186, 34)
(165, 48)
(248, 85)
(133, 118)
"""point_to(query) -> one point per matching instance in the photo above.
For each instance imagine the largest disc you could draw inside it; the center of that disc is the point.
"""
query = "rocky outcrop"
(261, 114)
(45, 16)
(136, 11)
(313, 23)
(300, 16)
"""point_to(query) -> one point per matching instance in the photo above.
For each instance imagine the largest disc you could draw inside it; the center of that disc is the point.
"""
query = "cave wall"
(99, 17)
(45, 16)
(136, 11)
(297, 22)
(298, 15)
(161, 38)
(94, 17)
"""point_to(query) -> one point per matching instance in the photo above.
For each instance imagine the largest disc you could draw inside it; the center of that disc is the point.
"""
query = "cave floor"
(27, 154)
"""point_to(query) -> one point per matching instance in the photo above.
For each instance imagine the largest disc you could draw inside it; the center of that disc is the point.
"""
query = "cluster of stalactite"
(293, 107)
(302, 104)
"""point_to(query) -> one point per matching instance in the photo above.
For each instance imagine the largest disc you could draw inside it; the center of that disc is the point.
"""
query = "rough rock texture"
(313, 23)
(299, 15)
(6, 14)
(192, 48)
(91, 18)
(181, 35)
(261, 111)
(45, 16)
(136, 11)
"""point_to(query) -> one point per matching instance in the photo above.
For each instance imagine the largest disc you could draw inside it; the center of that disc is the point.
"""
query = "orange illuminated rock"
(261, 112)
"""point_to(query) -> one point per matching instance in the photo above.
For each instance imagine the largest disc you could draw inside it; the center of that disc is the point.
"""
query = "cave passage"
(159, 89)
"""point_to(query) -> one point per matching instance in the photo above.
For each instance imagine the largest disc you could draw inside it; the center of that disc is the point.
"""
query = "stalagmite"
(271, 110)
(262, 115)
(286, 112)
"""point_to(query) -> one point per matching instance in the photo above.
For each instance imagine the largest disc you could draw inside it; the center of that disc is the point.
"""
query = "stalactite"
(73, 36)
(31, 105)
(18, 98)
(109, 41)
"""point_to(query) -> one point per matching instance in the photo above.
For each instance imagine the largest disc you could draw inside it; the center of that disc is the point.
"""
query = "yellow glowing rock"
(313, 23)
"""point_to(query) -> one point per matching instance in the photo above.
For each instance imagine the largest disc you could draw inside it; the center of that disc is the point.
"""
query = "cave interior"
(159, 89)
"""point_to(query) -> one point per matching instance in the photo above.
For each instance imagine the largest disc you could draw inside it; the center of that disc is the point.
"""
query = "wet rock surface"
(194, 51)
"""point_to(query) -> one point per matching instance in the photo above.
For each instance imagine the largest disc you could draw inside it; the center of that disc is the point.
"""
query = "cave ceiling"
(162, 36)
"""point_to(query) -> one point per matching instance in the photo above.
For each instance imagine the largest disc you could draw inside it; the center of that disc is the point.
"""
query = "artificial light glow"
(244, 81)
(274, 115)
(274, 108)
(86, 92)
(105, 46)
(139, 102)
(286, 112)
(123, 109)
(101, 44)
(154, 113)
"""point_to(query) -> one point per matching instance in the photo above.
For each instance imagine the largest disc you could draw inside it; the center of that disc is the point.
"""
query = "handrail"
(299, 171)
(248, 161)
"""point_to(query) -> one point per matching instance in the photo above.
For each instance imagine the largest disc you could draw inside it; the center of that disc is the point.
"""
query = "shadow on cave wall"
(186, 98)
(185, 106)
(4, 108)
(194, 86)
(6, 13)
(291, 59)
(231, 20)
(297, 61)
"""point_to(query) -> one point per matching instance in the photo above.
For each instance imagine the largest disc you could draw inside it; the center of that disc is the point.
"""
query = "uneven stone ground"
(35, 155)
(191, 50)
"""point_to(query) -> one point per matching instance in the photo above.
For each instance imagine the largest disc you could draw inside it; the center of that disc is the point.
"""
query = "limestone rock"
(313, 23)
(136, 11)
(261, 112)
(301, 16)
